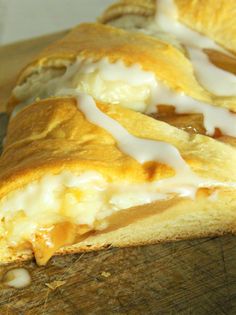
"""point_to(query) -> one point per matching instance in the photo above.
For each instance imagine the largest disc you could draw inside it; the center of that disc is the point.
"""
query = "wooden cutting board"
(191, 277)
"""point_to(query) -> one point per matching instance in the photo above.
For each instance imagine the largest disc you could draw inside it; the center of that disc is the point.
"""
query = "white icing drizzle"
(214, 117)
(142, 150)
(207, 73)
(185, 183)
(17, 278)
(214, 79)
(167, 18)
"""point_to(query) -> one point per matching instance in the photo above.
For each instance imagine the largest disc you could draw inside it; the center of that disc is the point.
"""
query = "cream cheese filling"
(107, 82)
(81, 199)
(130, 87)
(86, 199)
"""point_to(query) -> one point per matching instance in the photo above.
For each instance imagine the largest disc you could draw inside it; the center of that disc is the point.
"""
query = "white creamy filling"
(110, 83)
(53, 199)
(86, 199)
(214, 79)
(130, 87)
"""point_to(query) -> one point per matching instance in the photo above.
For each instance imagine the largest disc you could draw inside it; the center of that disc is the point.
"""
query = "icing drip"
(167, 18)
(185, 183)
(17, 278)
(207, 73)
(158, 151)
(214, 117)
(216, 80)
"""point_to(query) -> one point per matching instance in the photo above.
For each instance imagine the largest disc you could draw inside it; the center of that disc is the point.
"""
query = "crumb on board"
(17, 278)
(106, 274)
(55, 284)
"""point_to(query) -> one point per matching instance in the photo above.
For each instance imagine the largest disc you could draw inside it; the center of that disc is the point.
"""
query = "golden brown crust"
(195, 14)
(219, 26)
(55, 136)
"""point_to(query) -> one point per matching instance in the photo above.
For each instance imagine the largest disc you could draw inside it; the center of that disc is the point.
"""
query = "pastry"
(186, 24)
(209, 43)
(82, 175)
(195, 14)
(118, 138)
(130, 69)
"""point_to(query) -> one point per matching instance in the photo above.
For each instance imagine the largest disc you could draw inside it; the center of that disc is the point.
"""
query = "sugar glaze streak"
(207, 73)
(185, 183)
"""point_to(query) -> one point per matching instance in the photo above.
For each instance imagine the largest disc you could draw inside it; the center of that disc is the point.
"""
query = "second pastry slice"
(77, 175)
(129, 69)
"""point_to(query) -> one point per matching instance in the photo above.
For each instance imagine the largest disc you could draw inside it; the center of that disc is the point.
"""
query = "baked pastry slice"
(195, 14)
(82, 172)
(207, 39)
(91, 43)
(129, 69)
(76, 175)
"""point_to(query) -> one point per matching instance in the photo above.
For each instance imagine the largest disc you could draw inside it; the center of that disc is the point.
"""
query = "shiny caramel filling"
(48, 240)
(191, 123)
(221, 60)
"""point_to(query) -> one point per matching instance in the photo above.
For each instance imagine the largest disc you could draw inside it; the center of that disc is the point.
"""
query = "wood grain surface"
(191, 277)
